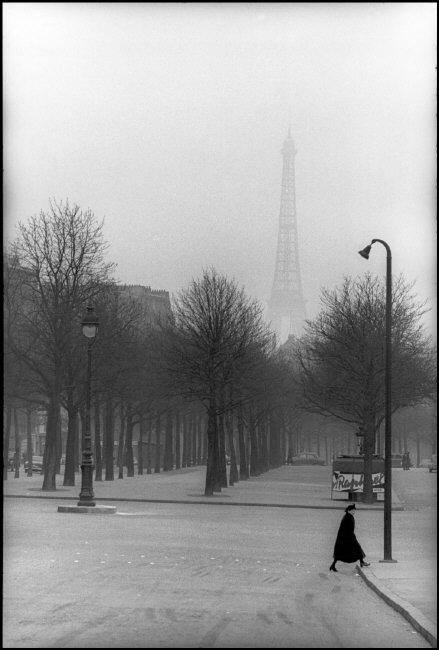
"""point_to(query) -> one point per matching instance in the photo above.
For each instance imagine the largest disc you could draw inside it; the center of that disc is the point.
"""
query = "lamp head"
(365, 252)
(90, 324)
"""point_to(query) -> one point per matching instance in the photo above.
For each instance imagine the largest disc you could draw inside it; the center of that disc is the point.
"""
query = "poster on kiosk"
(348, 476)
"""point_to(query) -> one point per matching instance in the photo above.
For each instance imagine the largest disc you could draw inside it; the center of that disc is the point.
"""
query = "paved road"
(178, 575)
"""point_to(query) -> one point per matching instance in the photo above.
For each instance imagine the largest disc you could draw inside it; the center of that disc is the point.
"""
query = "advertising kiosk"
(348, 476)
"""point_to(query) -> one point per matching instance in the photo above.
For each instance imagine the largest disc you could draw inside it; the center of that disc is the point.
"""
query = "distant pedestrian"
(406, 460)
(347, 548)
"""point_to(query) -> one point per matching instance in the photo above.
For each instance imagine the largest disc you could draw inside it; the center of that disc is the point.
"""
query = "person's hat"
(351, 507)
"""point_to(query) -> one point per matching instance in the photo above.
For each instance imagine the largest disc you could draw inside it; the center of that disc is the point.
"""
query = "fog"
(168, 119)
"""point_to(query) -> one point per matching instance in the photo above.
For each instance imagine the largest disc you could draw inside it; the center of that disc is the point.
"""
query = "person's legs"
(332, 567)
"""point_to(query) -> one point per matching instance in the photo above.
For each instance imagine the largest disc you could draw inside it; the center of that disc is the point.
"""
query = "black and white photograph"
(219, 325)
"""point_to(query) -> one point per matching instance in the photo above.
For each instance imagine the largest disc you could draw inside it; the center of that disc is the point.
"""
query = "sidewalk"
(300, 486)
(409, 585)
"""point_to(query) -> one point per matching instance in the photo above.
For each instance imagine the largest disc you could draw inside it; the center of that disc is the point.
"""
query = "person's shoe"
(364, 563)
(332, 568)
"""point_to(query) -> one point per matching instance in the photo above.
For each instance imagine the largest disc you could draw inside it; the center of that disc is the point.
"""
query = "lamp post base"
(86, 502)
(86, 496)
(390, 561)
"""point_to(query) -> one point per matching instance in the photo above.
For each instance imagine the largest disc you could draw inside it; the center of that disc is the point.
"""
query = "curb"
(89, 510)
(420, 622)
(203, 502)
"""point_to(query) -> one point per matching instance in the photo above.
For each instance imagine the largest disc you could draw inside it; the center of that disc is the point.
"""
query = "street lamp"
(89, 329)
(388, 397)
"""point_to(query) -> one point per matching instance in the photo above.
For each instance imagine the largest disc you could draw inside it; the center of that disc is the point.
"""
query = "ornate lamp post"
(388, 412)
(89, 329)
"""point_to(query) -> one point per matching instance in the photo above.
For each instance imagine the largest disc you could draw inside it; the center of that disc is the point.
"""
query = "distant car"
(307, 458)
(37, 465)
(396, 460)
(425, 463)
(433, 464)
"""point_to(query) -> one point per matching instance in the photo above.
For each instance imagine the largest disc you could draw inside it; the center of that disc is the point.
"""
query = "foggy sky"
(168, 119)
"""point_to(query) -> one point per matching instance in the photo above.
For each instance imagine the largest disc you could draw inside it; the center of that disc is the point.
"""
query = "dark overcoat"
(347, 548)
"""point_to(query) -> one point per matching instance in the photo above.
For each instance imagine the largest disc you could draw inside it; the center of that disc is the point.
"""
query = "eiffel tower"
(287, 306)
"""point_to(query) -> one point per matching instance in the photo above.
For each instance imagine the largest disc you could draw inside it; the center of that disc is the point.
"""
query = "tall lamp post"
(388, 399)
(86, 498)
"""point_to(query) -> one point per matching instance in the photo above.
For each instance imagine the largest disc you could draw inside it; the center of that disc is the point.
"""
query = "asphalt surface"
(183, 575)
(61, 587)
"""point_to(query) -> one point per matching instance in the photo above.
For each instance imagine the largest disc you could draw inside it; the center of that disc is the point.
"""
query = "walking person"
(347, 548)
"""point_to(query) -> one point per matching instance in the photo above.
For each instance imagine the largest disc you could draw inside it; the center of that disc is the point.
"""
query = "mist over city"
(168, 120)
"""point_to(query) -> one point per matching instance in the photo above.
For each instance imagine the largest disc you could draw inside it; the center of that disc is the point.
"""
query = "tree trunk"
(368, 449)
(58, 449)
(98, 447)
(29, 441)
(148, 447)
(199, 437)
(273, 452)
(254, 451)
(109, 439)
(189, 428)
(177, 441)
(184, 461)
(261, 436)
(17, 445)
(212, 485)
(52, 429)
(233, 476)
(6, 439)
(205, 444)
(418, 449)
(222, 466)
(140, 445)
(121, 442)
(290, 446)
(129, 442)
(157, 443)
(78, 445)
(72, 434)
(243, 462)
(283, 445)
(167, 458)
(194, 439)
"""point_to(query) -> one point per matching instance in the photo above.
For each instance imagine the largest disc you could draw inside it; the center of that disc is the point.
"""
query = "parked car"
(37, 465)
(433, 464)
(307, 458)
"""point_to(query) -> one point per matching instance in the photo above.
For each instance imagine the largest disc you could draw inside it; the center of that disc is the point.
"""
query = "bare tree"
(216, 329)
(61, 255)
(342, 362)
